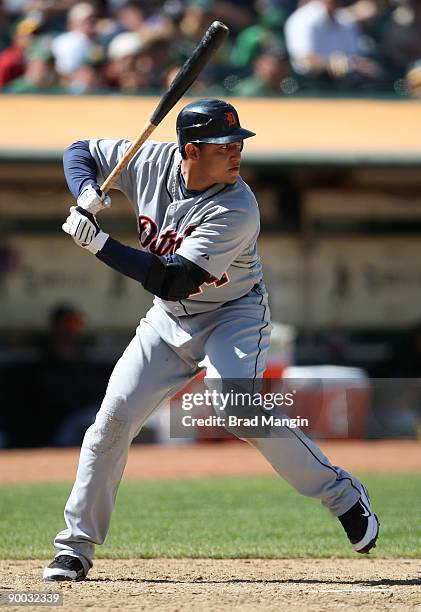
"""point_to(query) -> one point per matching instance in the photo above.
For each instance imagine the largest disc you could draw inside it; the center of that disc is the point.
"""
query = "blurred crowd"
(275, 47)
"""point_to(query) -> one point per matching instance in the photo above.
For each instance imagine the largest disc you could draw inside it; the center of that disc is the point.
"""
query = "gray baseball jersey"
(216, 229)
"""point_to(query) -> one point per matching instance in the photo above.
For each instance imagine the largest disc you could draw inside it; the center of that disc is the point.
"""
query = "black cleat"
(361, 524)
(65, 567)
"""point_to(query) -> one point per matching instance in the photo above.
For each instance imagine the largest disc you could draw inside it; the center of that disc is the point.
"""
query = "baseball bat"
(211, 41)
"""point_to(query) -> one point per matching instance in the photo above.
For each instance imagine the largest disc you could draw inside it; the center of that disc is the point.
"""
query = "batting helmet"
(211, 121)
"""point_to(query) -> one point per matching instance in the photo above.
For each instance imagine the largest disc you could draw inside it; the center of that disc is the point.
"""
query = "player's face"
(221, 162)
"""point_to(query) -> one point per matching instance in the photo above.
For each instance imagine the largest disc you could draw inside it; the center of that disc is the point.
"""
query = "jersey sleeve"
(217, 241)
(107, 153)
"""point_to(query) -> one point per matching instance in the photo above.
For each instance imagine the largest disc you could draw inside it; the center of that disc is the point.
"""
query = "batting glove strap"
(84, 229)
(93, 199)
(98, 242)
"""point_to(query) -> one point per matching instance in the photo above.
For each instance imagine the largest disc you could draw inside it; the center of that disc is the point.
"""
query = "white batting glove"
(84, 229)
(93, 199)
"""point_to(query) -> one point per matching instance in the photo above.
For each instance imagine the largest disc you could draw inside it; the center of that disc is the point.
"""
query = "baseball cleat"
(361, 524)
(65, 567)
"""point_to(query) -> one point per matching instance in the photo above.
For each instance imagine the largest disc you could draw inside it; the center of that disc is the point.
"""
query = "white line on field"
(361, 590)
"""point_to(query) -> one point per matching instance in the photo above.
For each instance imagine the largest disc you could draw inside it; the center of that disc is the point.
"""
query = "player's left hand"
(93, 199)
(84, 229)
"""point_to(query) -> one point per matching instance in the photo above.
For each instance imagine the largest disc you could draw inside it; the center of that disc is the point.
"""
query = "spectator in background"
(40, 75)
(138, 60)
(400, 41)
(197, 17)
(54, 13)
(265, 35)
(237, 14)
(194, 20)
(65, 339)
(89, 77)
(128, 17)
(72, 47)
(121, 70)
(270, 71)
(323, 41)
(4, 29)
(372, 16)
(198, 14)
(413, 79)
(65, 383)
(13, 59)
(155, 57)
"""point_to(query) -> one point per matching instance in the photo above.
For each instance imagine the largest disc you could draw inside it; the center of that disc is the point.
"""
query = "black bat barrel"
(211, 41)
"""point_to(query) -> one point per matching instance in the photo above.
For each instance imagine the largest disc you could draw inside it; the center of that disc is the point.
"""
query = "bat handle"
(131, 151)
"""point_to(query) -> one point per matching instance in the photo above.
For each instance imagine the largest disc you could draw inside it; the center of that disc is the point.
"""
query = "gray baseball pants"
(163, 356)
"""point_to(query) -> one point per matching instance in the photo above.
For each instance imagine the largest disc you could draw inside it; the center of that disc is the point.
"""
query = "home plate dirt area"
(231, 584)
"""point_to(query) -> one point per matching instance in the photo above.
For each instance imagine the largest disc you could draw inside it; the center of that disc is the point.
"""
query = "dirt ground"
(228, 585)
(249, 585)
(207, 459)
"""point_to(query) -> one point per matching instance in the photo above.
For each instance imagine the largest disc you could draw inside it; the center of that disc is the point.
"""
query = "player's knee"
(110, 429)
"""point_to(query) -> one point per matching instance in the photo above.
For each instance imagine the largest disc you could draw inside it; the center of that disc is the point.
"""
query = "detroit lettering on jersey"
(216, 229)
(168, 242)
(160, 243)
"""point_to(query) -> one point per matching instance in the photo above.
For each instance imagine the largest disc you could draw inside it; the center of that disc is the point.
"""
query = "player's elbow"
(173, 279)
(172, 292)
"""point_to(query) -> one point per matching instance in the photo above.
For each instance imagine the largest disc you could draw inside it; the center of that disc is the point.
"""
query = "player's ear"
(192, 151)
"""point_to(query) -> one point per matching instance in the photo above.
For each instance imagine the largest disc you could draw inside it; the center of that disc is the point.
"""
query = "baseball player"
(198, 225)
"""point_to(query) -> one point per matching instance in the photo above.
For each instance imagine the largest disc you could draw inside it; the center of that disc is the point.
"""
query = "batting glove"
(84, 229)
(93, 199)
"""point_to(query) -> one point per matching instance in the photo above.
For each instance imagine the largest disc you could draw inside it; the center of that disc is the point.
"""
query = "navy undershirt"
(79, 167)
(188, 193)
(130, 262)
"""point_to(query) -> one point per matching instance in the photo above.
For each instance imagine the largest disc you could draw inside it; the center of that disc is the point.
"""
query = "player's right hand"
(92, 199)
(84, 229)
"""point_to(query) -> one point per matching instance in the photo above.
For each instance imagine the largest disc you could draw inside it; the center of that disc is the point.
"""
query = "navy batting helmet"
(211, 121)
